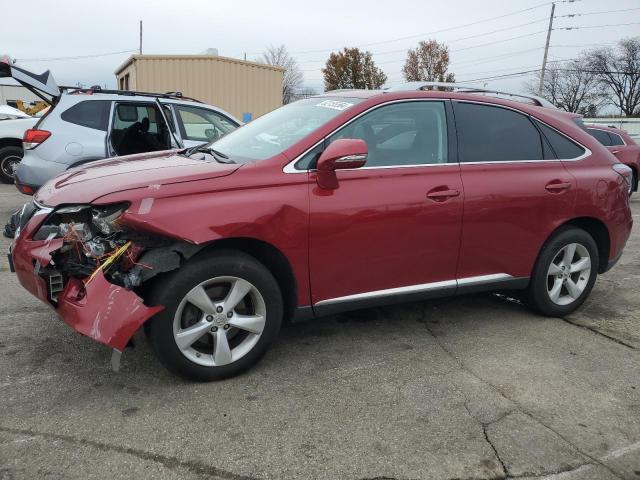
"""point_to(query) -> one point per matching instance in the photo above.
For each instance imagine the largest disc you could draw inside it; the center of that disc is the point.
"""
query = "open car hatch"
(43, 85)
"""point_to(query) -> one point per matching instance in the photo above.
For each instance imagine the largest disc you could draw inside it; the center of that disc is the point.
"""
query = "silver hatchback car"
(91, 124)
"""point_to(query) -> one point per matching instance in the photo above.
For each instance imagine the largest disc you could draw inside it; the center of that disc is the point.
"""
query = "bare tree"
(352, 68)
(428, 63)
(572, 86)
(619, 70)
(293, 78)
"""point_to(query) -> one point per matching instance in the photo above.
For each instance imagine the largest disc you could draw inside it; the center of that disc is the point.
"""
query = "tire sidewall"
(174, 288)
(5, 153)
(538, 295)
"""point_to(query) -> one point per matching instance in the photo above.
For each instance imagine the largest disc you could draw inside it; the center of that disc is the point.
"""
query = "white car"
(13, 124)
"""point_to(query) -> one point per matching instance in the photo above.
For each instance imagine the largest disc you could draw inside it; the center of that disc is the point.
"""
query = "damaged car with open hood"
(346, 200)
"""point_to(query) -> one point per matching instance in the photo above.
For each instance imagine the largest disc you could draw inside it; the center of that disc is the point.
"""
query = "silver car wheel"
(568, 274)
(219, 321)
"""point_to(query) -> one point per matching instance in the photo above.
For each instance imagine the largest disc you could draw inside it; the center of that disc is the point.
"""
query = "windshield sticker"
(334, 105)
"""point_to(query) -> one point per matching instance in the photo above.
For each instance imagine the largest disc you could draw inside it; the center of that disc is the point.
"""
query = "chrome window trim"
(290, 167)
(424, 287)
(586, 153)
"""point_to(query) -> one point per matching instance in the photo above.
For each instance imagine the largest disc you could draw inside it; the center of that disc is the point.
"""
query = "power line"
(597, 26)
(78, 57)
(448, 29)
(571, 15)
(450, 51)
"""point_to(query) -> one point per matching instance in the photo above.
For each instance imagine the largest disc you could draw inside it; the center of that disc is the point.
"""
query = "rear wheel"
(10, 157)
(222, 310)
(564, 274)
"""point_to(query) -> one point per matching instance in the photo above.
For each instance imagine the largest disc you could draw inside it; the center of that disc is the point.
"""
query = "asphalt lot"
(472, 388)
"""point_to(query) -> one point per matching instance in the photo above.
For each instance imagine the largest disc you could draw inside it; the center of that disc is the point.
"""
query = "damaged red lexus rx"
(347, 200)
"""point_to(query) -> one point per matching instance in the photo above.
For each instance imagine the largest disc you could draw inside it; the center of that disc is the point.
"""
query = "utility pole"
(140, 49)
(546, 51)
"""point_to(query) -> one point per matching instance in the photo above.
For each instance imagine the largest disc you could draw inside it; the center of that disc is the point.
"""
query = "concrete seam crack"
(598, 332)
(167, 461)
(505, 471)
(518, 406)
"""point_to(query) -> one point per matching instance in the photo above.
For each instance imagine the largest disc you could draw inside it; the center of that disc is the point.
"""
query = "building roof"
(132, 58)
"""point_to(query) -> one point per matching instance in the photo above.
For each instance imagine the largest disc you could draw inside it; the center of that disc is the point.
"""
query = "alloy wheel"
(568, 274)
(219, 321)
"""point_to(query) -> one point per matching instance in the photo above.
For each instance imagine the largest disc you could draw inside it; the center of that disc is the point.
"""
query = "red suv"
(347, 200)
(619, 143)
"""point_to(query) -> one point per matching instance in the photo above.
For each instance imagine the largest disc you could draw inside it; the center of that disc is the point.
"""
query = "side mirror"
(340, 155)
(210, 133)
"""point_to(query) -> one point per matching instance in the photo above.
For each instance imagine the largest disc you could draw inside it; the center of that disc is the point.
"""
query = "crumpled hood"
(96, 179)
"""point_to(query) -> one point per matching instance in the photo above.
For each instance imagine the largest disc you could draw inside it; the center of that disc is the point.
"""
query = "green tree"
(352, 68)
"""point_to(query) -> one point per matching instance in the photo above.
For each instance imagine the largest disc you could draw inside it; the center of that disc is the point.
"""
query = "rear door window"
(600, 135)
(488, 133)
(89, 113)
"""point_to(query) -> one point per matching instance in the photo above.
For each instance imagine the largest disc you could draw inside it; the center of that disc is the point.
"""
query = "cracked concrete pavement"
(465, 388)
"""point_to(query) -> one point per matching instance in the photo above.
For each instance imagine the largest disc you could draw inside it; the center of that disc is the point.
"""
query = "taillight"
(626, 173)
(27, 190)
(32, 138)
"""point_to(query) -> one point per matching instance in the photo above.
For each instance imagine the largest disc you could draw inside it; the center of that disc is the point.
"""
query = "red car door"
(391, 227)
(516, 191)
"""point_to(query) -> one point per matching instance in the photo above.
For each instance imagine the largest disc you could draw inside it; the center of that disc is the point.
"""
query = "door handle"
(441, 195)
(557, 187)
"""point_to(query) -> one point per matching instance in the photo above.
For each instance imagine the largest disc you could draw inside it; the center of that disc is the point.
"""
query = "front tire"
(564, 274)
(222, 311)
(10, 157)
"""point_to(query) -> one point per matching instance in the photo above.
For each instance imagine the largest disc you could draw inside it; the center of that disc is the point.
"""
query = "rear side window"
(494, 134)
(615, 139)
(89, 113)
(562, 146)
(600, 135)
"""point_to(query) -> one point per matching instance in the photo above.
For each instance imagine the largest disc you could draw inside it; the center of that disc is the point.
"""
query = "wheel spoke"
(222, 351)
(554, 269)
(554, 293)
(569, 252)
(200, 299)
(250, 323)
(238, 291)
(572, 288)
(582, 264)
(187, 337)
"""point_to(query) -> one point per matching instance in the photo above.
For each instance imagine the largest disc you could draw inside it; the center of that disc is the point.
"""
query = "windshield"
(274, 132)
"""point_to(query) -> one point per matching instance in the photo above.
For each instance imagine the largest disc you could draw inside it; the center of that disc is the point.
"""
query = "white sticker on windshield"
(334, 104)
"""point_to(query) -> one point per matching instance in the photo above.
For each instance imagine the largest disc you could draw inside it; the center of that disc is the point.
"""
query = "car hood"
(86, 183)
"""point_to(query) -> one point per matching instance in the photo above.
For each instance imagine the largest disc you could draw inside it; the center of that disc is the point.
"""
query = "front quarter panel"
(257, 202)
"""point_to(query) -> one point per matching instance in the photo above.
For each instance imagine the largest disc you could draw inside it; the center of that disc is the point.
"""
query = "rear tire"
(9, 159)
(564, 274)
(222, 311)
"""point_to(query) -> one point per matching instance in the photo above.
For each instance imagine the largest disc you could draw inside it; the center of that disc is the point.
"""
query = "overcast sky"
(36, 32)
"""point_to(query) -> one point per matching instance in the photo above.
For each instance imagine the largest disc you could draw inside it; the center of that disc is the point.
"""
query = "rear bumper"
(34, 172)
(103, 311)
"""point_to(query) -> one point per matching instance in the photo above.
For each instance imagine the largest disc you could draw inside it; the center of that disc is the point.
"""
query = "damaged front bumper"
(97, 308)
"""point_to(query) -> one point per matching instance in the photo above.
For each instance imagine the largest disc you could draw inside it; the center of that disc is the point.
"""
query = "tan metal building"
(244, 89)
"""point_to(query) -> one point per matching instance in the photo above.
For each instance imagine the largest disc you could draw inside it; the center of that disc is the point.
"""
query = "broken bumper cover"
(105, 312)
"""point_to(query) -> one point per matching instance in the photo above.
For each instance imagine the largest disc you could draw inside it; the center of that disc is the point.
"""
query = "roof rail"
(97, 89)
(542, 102)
